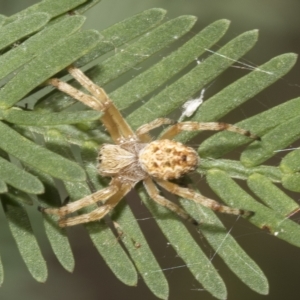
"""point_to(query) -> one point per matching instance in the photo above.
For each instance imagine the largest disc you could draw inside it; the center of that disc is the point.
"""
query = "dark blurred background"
(279, 26)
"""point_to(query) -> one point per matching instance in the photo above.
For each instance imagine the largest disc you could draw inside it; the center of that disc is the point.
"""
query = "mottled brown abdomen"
(167, 159)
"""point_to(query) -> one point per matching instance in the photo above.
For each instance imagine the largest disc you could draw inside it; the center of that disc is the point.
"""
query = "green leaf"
(122, 32)
(227, 248)
(46, 65)
(38, 43)
(272, 195)
(140, 50)
(180, 91)
(21, 230)
(258, 152)
(60, 245)
(291, 162)
(19, 178)
(265, 218)
(21, 28)
(186, 248)
(223, 142)
(3, 187)
(51, 7)
(142, 256)
(146, 82)
(48, 119)
(236, 169)
(43, 159)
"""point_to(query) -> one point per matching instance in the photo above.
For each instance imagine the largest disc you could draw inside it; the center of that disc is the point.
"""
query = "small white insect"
(190, 106)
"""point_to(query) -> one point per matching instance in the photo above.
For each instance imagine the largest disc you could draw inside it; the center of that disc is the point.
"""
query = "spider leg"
(98, 213)
(66, 88)
(142, 131)
(101, 195)
(112, 118)
(154, 194)
(192, 195)
(194, 126)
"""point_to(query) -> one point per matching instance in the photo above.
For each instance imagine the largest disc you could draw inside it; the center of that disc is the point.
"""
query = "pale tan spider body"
(135, 157)
(134, 161)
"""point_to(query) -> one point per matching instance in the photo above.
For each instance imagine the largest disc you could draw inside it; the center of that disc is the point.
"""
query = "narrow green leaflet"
(223, 142)
(258, 152)
(22, 28)
(21, 230)
(290, 166)
(122, 32)
(46, 65)
(140, 50)
(2, 20)
(291, 182)
(239, 92)
(272, 195)
(158, 74)
(233, 195)
(114, 36)
(60, 245)
(246, 87)
(51, 7)
(187, 249)
(236, 169)
(38, 43)
(43, 159)
(17, 116)
(3, 187)
(291, 162)
(18, 178)
(142, 256)
(227, 248)
(184, 88)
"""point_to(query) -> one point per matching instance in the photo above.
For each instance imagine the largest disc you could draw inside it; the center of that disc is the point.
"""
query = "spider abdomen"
(167, 159)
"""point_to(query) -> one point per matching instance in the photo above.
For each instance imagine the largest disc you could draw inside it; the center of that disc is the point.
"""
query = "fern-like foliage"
(42, 41)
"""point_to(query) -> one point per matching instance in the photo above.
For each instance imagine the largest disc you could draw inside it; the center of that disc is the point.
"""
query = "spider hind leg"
(192, 195)
(154, 194)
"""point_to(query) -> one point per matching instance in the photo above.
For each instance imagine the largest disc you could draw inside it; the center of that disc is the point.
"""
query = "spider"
(135, 157)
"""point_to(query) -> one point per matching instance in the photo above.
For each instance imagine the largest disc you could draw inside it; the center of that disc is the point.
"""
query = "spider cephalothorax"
(135, 157)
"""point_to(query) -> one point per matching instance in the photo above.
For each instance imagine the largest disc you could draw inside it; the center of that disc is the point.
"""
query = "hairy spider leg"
(207, 202)
(175, 129)
(153, 192)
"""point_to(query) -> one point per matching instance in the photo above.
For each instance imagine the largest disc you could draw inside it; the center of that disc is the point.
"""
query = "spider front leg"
(98, 100)
(100, 212)
(192, 195)
(154, 194)
(112, 118)
(172, 131)
(101, 195)
(142, 131)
